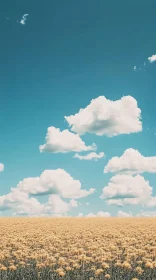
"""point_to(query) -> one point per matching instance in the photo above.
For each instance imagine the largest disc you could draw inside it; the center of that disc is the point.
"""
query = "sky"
(77, 108)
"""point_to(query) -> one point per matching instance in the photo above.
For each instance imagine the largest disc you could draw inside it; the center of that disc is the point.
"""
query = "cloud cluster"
(131, 162)
(90, 156)
(127, 190)
(63, 142)
(105, 117)
(58, 184)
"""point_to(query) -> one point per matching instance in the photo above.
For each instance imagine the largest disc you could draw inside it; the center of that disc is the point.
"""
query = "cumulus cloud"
(58, 205)
(151, 202)
(152, 58)
(99, 214)
(54, 182)
(131, 162)
(24, 18)
(121, 213)
(147, 214)
(21, 203)
(90, 156)
(58, 184)
(125, 189)
(105, 117)
(1, 167)
(63, 142)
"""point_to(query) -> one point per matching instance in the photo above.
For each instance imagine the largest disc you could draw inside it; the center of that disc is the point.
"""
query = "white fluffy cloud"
(90, 156)
(58, 184)
(152, 202)
(152, 58)
(54, 182)
(147, 214)
(21, 203)
(126, 189)
(131, 162)
(1, 167)
(58, 205)
(63, 142)
(105, 117)
(123, 214)
(99, 214)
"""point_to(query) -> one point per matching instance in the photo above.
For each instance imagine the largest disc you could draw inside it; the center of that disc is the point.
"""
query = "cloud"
(147, 214)
(105, 117)
(1, 167)
(127, 190)
(131, 162)
(134, 68)
(90, 156)
(21, 203)
(63, 142)
(80, 215)
(58, 184)
(54, 182)
(151, 202)
(152, 58)
(23, 20)
(121, 213)
(58, 206)
(99, 214)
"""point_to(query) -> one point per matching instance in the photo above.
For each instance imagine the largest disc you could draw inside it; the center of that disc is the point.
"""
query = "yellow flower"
(4, 268)
(105, 265)
(61, 273)
(139, 270)
(107, 276)
(68, 268)
(149, 265)
(98, 271)
(12, 267)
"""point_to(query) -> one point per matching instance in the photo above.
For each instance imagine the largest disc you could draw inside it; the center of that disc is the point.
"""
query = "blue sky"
(63, 56)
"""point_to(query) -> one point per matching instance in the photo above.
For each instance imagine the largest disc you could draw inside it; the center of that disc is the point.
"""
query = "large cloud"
(63, 142)
(1, 167)
(54, 182)
(58, 184)
(131, 162)
(105, 117)
(126, 189)
(90, 156)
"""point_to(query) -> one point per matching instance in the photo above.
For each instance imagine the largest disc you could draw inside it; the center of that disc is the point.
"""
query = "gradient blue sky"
(66, 54)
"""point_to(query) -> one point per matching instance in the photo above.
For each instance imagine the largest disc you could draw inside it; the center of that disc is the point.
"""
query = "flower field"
(78, 248)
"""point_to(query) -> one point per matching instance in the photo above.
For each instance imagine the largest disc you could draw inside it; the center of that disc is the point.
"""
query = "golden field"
(78, 248)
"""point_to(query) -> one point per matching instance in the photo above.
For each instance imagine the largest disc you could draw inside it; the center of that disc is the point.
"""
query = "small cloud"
(1, 167)
(23, 20)
(90, 156)
(152, 58)
(134, 68)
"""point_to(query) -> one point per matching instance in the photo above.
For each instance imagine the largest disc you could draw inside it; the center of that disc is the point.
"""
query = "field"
(78, 248)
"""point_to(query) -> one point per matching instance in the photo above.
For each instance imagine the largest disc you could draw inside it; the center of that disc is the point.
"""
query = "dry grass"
(78, 248)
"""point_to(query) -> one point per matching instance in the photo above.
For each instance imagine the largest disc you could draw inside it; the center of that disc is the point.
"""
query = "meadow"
(78, 248)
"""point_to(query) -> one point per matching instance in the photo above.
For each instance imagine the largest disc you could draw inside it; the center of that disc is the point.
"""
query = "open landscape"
(78, 248)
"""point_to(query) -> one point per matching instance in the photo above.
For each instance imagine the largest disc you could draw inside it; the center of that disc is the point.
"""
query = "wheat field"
(78, 248)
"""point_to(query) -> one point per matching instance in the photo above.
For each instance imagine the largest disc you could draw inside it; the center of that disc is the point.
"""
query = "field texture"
(78, 248)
